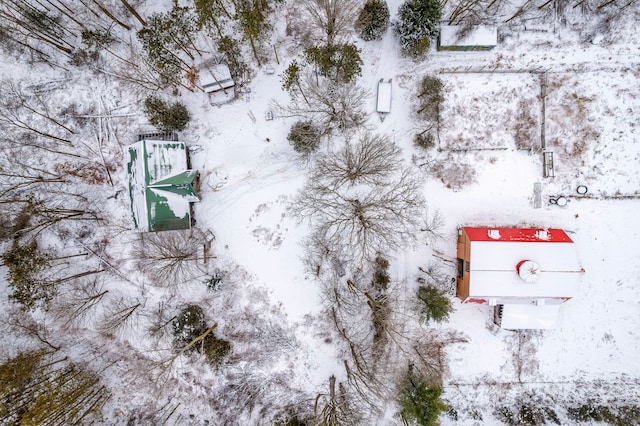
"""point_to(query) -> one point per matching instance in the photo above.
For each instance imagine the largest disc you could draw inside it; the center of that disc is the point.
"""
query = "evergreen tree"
(420, 400)
(229, 47)
(26, 264)
(252, 17)
(434, 304)
(190, 327)
(212, 14)
(418, 22)
(165, 117)
(291, 77)
(39, 390)
(430, 98)
(373, 20)
(167, 42)
(339, 62)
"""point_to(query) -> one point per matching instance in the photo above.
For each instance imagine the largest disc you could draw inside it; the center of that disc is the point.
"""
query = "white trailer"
(383, 99)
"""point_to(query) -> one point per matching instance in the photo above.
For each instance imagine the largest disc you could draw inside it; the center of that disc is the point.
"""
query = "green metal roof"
(160, 185)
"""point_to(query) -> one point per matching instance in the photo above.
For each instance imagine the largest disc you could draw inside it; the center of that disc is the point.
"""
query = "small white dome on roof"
(528, 270)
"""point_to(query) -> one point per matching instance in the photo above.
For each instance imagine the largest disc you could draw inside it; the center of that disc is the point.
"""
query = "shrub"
(373, 20)
(454, 172)
(590, 412)
(430, 98)
(424, 140)
(304, 136)
(420, 401)
(381, 276)
(215, 349)
(435, 305)
(418, 22)
(166, 117)
(188, 325)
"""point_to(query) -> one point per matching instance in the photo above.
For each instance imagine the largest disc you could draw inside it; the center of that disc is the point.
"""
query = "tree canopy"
(418, 22)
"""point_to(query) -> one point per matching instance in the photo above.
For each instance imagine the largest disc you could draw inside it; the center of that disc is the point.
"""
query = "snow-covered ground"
(250, 175)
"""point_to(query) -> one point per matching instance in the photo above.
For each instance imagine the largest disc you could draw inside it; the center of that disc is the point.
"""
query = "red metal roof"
(549, 235)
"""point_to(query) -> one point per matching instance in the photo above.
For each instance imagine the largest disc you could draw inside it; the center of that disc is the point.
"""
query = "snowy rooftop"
(481, 35)
(384, 97)
(216, 78)
(496, 253)
(160, 185)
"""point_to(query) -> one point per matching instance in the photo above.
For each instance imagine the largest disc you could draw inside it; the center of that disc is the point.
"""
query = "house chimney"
(542, 234)
(494, 234)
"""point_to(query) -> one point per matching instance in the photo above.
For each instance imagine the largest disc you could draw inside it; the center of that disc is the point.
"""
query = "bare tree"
(171, 257)
(361, 199)
(330, 105)
(431, 227)
(333, 18)
(77, 303)
(120, 314)
(333, 409)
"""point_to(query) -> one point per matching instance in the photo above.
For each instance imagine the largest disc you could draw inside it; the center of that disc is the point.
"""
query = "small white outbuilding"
(456, 37)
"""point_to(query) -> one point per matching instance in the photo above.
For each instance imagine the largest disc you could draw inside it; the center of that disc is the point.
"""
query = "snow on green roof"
(160, 185)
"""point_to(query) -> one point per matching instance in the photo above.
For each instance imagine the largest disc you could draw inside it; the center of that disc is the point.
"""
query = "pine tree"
(418, 22)
(166, 117)
(435, 305)
(167, 42)
(26, 264)
(189, 327)
(420, 400)
(339, 62)
(230, 49)
(40, 390)
(373, 20)
(252, 17)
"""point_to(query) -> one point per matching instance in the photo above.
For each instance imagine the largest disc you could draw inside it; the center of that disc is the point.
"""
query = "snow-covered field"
(273, 310)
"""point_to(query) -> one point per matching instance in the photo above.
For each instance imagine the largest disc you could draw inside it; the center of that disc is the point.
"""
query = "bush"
(430, 98)
(373, 20)
(304, 136)
(418, 22)
(165, 117)
(381, 276)
(188, 325)
(424, 140)
(420, 401)
(215, 349)
(590, 412)
(435, 305)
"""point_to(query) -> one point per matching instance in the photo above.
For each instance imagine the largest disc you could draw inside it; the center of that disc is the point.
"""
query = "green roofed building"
(160, 185)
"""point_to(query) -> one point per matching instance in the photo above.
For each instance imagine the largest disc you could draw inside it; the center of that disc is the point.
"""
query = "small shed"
(160, 185)
(456, 37)
(531, 267)
(217, 82)
(383, 98)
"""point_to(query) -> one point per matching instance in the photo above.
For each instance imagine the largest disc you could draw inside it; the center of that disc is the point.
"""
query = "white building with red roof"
(526, 272)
